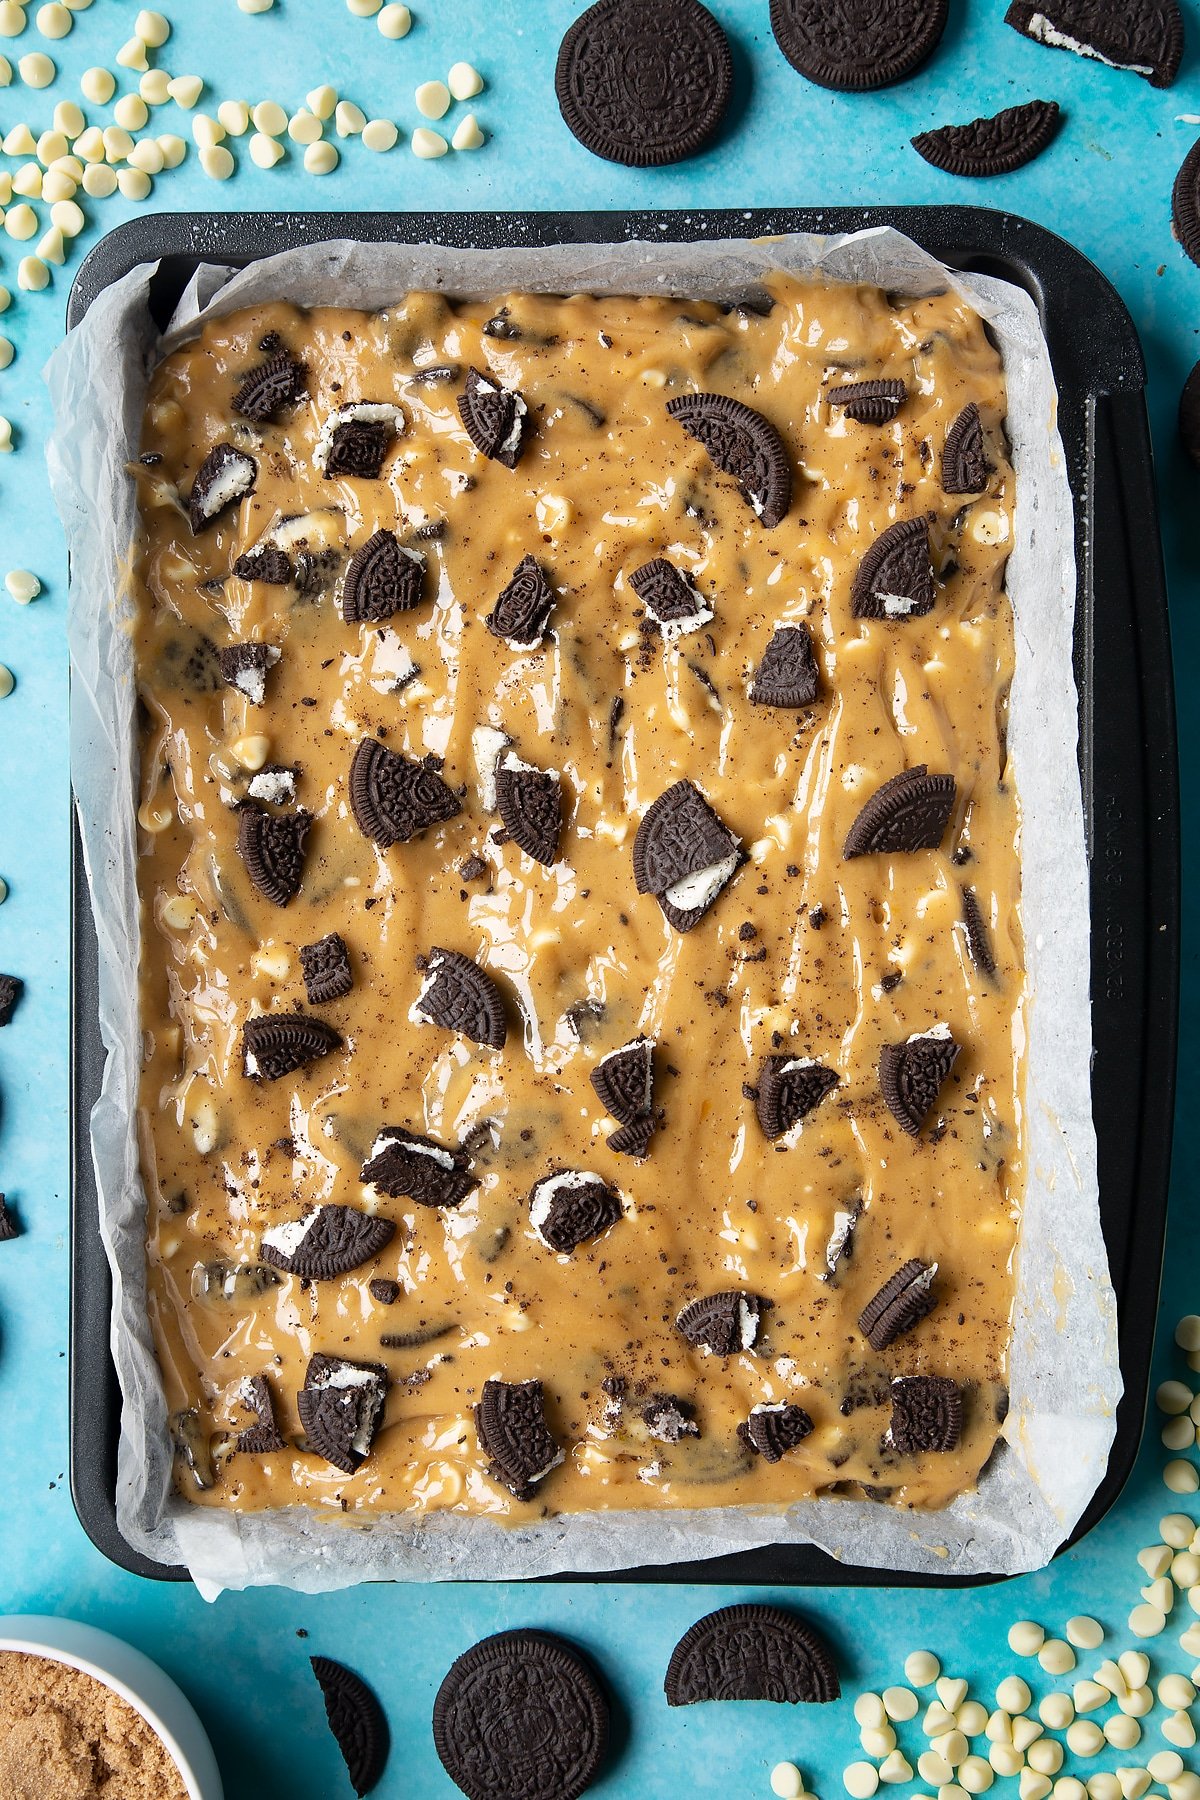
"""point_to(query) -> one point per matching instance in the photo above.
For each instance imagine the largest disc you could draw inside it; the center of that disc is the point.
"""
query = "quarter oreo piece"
(274, 385)
(724, 1324)
(382, 578)
(870, 402)
(911, 1075)
(460, 996)
(265, 1437)
(789, 1087)
(510, 1421)
(743, 444)
(926, 1414)
(624, 1080)
(644, 82)
(521, 1717)
(276, 1044)
(992, 146)
(965, 467)
(9, 1229)
(633, 1139)
(340, 1407)
(244, 667)
(496, 419)
(394, 798)
(909, 812)
(356, 1720)
(327, 1242)
(683, 854)
(857, 44)
(522, 612)
(1189, 415)
(325, 966)
(355, 439)
(225, 476)
(1145, 36)
(772, 1430)
(405, 1165)
(787, 675)
(271, 846)
(751, 1653)
(268, 564)
(1185, 203)
(571, 1208)
(978, 942)
(11, 989)
(903, 1301)
(894, 580)
(670, 597)
(529, 802)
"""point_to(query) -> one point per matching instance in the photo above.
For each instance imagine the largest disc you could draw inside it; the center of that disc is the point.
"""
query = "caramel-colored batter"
(804, 951)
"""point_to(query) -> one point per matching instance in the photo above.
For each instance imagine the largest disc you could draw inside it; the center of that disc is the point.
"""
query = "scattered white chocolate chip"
(869, 1711)
(363, 9)
(975, 1774)
(99, 181)
(1122, 1732)
(1005, 1759)
(425, 143)
(1178, 1729)
(1181, 1477)
(395, 21)
(6, 352)
(265, 151)
(1088, 1695)
(255, 6)
(68, 118)
(117, 143)
(135, 184)
(1103, 1786)
(304, 127)
(54, 20)
(1155, 1559)
(6, 682)
(1177, 1530)
(1175, 1691)
(379, 134)
(131, 112)
(433, 99)
(1056, 1657)
(1160, 1593)
(3, 891)
(269, 118)
(1173, 1396)
(1025, 1732)
(321, 158)
(22, 585)
(1085, 1738)
(147, 156)
(58, 186)
(1187, 1332)
(6, 437)
(207, 131)
(5, 71)
(900, 1703)
(1190, 1639)
(52, 249)
(464, 81)
(1134, 1782)
(348, 119)
(252, 752)
(37, 70)
(1069, 1788)
(1013, 1695)
(1046, 1756)
(895, 1768)
(132, 55)
(1033, 1786)
(68, 216)
(938, 1719)
(173, 148)
(879, 1742)
(179, 912)
(934, 1768)
(152, 28)
(467, 135)
(322, 101)
(12, 19)
(1025, 1638)
(1056, 1711)
(1164, 1765)
(234, 115)
(922, 1668)
(953, 1746)
(20, 222)
(155, 87)
(185, 90)
(89, 146)
(1109, 1676)
(1084, 1632)
(787, 1781)
(1135, 1667)
(28, 181)
(951, 1690)
(1187, 1787)
(217, 162)
(97, 85)
(1146, 1620)
(860, 1779)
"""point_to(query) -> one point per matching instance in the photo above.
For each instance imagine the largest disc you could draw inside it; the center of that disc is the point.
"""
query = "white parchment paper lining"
(1064, 1373)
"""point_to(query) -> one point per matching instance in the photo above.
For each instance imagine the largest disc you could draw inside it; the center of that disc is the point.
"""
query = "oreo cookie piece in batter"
(774, 1428)
(684, 854)
(327, 1242)
(496, 418)
(272, 846)
(788, 1088)
(870, 402)
(902, 1302)
(268, 564)
(624, 1081)
(271, 388)
(522, 611)
(407, 1166)
(724, 1324)
(394, 798)
(510, 1422)
(787, 676)
(894, 580)
(340, 1407)
(225, 476)
(460, 996)
(263, 1438)
(996, 145)
(751, 1652)
(854, 45)
(529, 802)
(927, 1414)
(382, 578)
(644, 82)
(356, 1720)
(355, 440)
(743, 444)
(965, 465)
(245, 667)
(571, 1208)
(277, 1044)
(1145, 36)
(521, 1716)
(909, 812)
(671, 598)
(911, 1075)
(325, 966)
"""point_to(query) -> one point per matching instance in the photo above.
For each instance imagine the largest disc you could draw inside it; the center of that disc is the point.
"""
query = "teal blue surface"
(1105, 184)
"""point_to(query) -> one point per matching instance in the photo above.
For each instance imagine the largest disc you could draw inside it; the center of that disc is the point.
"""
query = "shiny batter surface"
(802, 951)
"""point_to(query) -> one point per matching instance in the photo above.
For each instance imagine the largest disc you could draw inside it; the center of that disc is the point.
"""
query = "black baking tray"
(1127, 762)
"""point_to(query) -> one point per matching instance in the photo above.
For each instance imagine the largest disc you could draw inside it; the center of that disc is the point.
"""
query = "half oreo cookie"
(741, 443)
(405, 1165)
(991, 146)
(624, 1081)
(521, 1716)
(245, 666)
(965, 465)
(751, 1653)
(382, 578)
(903, 1301)
(684, 854)
(1145, 36)
(460, 996)
(572, 1208)
(870, 402)
(787, 675)
(672, 600)
(356, 1720)
(272, 846)
(276, 1044)
(911, 1075)
(340, 1407)
(225, 476)
(894, 580)
(644, 82)
(909, 812)
(789, 1087)
(510, 1421)
(394, 798)
(522, 611)
(496, 419)
(271, 388)
(326, 1243)
(724, 1324)
(529, 802)
(265, 1437)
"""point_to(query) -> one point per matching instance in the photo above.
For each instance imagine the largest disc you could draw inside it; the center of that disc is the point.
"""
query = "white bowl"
(140, 1682)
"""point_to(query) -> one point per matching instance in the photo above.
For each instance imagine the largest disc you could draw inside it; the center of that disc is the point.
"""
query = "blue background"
(1106, 185)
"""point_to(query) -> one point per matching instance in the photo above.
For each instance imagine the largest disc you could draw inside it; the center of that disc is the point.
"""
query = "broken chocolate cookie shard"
(909, 812)
(11, 989)
(789, 1087)
(460, 996)
(634, 1139)
(668, 1418)
(522, 611)
(355, 439)
(394, 798)
(624, 1081)
(406, 1166)
(268, 564)
(1143, 36)
(383, 1290)
(965, 467)
(751, 1652)
(839, 1247)
(979, 943)
(327, 1242)
(724, 1324)
(529, 802)
(274, 784)
(244, 667)
(927, 1414)
(340, 1406)
(325, 966)
(741, 443)
(684, 854)
(774, 1428)
(510, 1422)
(271, 388)
(265, 1437)
(670, 597)
(271, 846)
(995, 145)
(225, 476)
(869, 402)
(496, 419)
(894, 580)
(356, 1720)
(911, 1075)
(382, 578)
(276, 1044)
(571, 1208)
(9, 1229)
(903, 1301)
(787, 675)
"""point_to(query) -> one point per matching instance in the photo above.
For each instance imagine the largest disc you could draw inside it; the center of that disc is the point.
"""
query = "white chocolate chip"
(1046, 1756)
(131, 112)
(1085, 1738)
(1135, 1667)
(28, 181)
(1187, 1787)
(185, 90)
(467, 135)
(12, 19)
(1069, 1788)
(304, 127)
(1173, 1396)
(922, 1668)
(19, 141)
(1085, 1632)
(6, 682)
(58, 186)
(68, 216)
(1164, 1765)
(425, 143)
(1155, 1559)
(179, 913)
(97, 85)
(155, 87)
(1005, 1759)
(217, 162)
(938, 1720)
(99, 181)
(89, 146)
(207, 131)
(6, 352)
(22, 585)
(1134, 1782)
(117, 143)
(1089, 1695)
(879, 1742)
(348, 119)
(395, 21)
(20, 222)
(147, 156)
(1181, 1477)
(1136, 1703)
(274, 963)
(787, 1781)
(975, 1774)
(234, 116)
(135, 184)
(1033, 1786)
(1177, 1530)
(1178, 1433)
(1190, 1639)
(1013, 1695)
(132, 55)
(321, 158)
(204, 1126)
(152, 28)
(900, 1703)
(1122, 1732)
(6, 437)
(1056, 1711)
(6, 72)
(1111, 1676)
(869, 1711)
(269, 118)
(953, 1746)
(54, 20)
(895, 1768)
(1187, 1333)
(860, 1779)
(1160, 1593)
(1103, 1786)
(265, 151)
(69, 119)
(52, 248)
(255, 6)
(37, 70)
(322, 101)
(433, 99)
(1056, 1657)
(464, 81)
(363, 9)
(379, 134)
(1175, 1691)
(173, 148)
(1178, 1729)
(1147, 1621)
(1025, 1638)
(252, 752)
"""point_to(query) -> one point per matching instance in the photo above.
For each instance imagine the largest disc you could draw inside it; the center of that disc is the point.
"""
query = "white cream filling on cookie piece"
(1041, 28)
(702, 888)
(548, 1191)
(359, 412)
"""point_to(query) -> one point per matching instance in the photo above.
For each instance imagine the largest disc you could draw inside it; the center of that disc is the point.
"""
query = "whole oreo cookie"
(271, 846)
(225, 476)
(870, 402)
(521, 1717)
(724, 1324)
(741, 443)
(1185, 203)
(788, 1089)
(529, 802)
(927, 1414)
(909, 812)
(276, 1044)
(382, 578)
(269, 389)
(510, 1422)
(1145, 36)
(405, 1165)
(460, 996)
(854, 45)
(894, 580)
(265, 1437)
(496, 419)
(774, 1429)
(325, 966)
(911, 1075)
(571, 1208)
(356, 1720)
(684, 854)
(965, 465)
(522, 611)
(644, 82)
(394, 798)
(670, 597)
(996, 145)
(328, 1242)
(751, 1653)
(903, 1301)
(340, 1406)
(787, 676)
